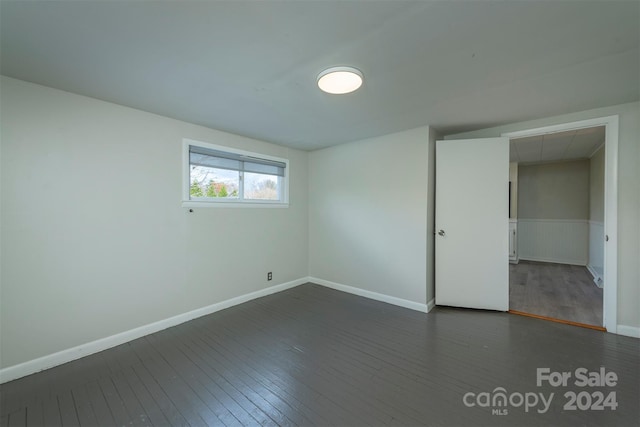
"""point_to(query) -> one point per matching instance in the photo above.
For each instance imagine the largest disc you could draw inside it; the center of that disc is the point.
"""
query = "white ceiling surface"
(250, 67)
(560, 146)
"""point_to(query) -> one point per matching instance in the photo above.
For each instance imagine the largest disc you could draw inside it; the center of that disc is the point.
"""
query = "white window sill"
(252, 204)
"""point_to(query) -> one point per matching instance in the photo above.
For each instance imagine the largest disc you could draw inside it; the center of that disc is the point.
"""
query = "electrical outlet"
(269, 275)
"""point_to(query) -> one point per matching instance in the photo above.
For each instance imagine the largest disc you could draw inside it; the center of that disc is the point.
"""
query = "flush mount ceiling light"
(339, 80)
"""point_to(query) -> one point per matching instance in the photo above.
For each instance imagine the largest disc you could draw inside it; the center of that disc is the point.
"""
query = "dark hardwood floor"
(316, 356)
(560, 291)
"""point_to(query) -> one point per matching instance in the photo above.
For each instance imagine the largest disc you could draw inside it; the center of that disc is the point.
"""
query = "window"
(223, 176)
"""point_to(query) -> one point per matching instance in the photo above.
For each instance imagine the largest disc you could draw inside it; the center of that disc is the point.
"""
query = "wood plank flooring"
(316, 356)
(559, 291)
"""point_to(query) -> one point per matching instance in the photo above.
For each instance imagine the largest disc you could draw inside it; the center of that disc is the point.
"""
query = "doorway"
(564, 266)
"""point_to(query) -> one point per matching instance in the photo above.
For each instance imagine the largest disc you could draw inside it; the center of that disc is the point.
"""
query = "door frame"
(611, 124)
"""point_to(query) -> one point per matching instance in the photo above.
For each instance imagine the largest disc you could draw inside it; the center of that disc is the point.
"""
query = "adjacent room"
(296, 213)
(557, 225)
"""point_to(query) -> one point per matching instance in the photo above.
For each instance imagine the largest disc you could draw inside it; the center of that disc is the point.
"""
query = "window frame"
(188, 202)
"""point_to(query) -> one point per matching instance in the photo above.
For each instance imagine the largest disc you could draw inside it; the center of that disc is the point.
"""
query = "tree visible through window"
(216, 175)
(260, 186)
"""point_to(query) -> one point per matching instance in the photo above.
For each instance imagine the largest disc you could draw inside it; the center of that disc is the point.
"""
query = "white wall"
(513, 178)
(94, 240)
(628, 197)
(596, 186)
(368, 214)
(596, 214)
(553, 212)
(562, 241)
(558, 190)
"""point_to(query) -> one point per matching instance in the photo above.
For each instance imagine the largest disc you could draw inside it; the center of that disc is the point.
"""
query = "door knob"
(441, 232)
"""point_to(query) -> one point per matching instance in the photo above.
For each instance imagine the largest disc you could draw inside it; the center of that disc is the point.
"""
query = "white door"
(472, 223)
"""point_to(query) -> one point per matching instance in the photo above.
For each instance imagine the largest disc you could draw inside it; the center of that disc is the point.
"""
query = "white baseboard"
(597, 279)
(628, 331)
(554, 260)
(372, 295)
(36, 365)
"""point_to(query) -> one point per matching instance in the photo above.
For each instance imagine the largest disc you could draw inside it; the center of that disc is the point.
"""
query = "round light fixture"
(339, 80)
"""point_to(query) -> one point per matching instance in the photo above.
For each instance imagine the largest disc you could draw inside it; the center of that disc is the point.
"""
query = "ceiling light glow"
(340, 80)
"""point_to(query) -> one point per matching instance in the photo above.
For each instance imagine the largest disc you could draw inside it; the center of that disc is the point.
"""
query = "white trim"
(553, 260)
(49, 361)
(581, 124)
(186, 176)
(554, 161)
(629, 331)
(20, 370)
(597, 149)
(596, 252)
(220, 204)
(611, 123)
(610, 306)
(597, 279)
(371, 295)
(581, 221)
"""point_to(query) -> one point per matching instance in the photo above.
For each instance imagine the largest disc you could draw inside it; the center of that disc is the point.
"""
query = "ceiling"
(250, 67)
(559, 146)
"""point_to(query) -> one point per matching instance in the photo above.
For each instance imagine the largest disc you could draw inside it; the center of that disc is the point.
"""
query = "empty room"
(310, 213)
(557, 227)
